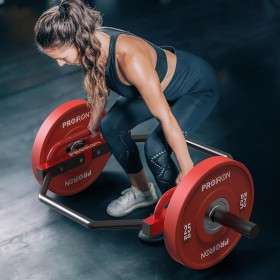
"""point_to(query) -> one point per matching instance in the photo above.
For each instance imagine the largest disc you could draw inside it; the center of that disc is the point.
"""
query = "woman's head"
(67, 34)
(64, 55)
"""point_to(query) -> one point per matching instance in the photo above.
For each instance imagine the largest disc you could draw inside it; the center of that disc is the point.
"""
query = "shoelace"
(126, 192)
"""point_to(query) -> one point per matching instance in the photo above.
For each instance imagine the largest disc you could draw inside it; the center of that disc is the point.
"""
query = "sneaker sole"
(156, 239)
(129, 210)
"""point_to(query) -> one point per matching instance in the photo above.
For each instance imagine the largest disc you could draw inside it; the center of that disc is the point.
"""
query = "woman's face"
(64, 55)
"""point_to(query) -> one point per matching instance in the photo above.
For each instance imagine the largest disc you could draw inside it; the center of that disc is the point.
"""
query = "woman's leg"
(191, 111)
(115, 127)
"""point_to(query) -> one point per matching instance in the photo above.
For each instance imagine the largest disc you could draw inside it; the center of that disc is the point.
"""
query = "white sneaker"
(130, 200)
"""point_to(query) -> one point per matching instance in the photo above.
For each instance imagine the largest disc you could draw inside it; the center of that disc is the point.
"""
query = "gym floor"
(240, 39)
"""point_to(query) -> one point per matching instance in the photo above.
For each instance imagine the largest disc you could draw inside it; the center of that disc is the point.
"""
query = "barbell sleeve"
(229, 220)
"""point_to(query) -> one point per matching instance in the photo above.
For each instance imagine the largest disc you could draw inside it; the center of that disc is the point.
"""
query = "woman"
(177, 88)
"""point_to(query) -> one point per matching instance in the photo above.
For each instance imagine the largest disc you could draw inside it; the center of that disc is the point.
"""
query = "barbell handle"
(80, 218)
(227, 219)
(194, 144)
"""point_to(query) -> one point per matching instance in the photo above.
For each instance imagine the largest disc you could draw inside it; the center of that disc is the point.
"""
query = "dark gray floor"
(240, 39)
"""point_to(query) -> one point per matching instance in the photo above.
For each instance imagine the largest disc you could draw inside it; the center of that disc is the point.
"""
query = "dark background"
(239, 38)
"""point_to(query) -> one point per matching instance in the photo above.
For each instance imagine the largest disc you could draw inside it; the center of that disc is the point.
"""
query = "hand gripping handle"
(153, 225)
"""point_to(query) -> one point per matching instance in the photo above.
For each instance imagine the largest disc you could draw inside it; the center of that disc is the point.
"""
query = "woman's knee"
(160, 163)
(151, 147)
(105, 126)
(112, 125)
(156, 150)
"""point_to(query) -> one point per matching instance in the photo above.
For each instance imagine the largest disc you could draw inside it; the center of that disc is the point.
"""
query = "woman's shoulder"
(129, 47)
(112, 30)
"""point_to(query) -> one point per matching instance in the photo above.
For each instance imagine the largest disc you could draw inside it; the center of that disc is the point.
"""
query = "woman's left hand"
(181, 175)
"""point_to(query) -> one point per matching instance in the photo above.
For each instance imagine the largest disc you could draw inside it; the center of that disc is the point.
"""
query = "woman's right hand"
(95, 119)
(92, 128)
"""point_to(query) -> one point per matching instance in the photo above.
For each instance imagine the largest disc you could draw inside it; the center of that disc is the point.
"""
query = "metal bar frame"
(109, 224)
(193, 144)
(80, 218)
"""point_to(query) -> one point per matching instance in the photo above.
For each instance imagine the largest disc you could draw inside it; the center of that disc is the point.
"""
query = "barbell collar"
(229, 220)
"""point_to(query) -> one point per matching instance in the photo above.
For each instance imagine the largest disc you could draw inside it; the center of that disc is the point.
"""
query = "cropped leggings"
(193, 96)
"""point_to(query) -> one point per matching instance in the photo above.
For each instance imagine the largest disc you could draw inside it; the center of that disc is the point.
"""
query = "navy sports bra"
(112, 80)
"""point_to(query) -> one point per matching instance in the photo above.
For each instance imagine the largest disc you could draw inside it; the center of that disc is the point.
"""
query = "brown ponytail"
(73, 23)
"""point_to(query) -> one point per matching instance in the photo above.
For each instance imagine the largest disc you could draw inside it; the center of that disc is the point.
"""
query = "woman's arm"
(95, 118)
(138, 70)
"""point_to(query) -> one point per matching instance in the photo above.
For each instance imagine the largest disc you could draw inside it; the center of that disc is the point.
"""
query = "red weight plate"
(65, 121)
(186, 239)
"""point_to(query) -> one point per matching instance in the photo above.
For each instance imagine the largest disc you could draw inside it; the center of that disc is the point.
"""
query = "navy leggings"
(192, 94)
